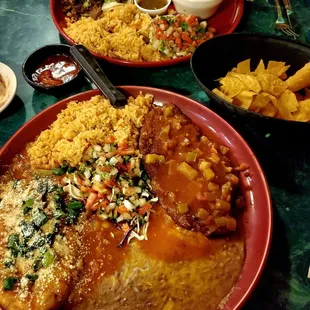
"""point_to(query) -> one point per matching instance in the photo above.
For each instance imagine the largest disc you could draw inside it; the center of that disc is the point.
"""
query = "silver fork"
(281, 24)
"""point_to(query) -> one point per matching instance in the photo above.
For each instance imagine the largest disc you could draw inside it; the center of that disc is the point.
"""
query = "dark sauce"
(55, 70)
(152, 4)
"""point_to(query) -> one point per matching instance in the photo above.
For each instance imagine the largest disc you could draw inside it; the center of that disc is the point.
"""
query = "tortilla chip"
(244, 66)
(260, 69)
(250, 82)
(244, 99)
(276, 67)
(271, 84)
(303, 115)
(259, 102)
(282, 109)
(301, 79)
(269, 110)
(288, 99)
(283, 76)
(222, 95)
(231, 86)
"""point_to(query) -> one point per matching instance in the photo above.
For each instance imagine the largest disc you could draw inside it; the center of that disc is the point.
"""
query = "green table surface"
(26, 25)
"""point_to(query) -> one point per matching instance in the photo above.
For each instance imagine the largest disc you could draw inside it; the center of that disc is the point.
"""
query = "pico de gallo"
(179, 35)
(112, 183)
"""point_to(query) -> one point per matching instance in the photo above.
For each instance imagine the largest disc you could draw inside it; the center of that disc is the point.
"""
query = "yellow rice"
(119, 33)
(87, 123)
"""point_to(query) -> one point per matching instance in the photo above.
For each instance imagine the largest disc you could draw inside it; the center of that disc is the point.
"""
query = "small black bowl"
(214, 58)
(37, 57)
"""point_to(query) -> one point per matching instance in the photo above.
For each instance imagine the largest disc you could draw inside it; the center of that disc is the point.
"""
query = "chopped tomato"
(123, 146)
(122, 209)
(109, 139)
(186, 38)
(192, 20)
(144, 209)
(120, 166)
(128, 166)
(101, 195)
(105, 168)
(110, 183)
(85, 189)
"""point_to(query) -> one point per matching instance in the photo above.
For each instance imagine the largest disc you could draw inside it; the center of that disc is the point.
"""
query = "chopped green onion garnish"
(32, 277)
(48, 259)
(8, 283)
(40, 219)
(58, 171)
(75, 205)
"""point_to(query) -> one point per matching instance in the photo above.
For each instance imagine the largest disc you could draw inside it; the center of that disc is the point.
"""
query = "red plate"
(257, 218)
(224, 21)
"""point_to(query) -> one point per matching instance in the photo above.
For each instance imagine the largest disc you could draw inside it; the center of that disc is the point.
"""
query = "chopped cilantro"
(184, 26)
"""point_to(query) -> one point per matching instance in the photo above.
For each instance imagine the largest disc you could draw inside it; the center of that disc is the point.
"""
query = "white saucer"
(9, 78)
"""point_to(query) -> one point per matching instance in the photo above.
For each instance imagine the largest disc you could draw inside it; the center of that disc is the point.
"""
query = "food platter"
(257, 218)
(224, 21)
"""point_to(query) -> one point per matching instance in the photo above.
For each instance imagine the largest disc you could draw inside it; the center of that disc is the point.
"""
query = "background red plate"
(257, 218)
(225, 21)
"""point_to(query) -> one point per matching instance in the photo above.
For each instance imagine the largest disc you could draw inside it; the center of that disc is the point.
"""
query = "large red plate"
(257, 218)
(224, 21)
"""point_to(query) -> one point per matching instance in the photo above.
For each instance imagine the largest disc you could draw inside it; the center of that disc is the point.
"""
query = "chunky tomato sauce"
(55, 70)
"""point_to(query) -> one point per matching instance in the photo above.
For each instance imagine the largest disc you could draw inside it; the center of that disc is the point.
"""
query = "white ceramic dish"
(9, 79)
(200, 8)
(153, 12)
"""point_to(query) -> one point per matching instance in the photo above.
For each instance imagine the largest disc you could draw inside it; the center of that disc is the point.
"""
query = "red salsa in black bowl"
(51, 69)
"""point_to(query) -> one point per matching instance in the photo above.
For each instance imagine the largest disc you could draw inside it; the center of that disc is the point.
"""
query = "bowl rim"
(250, 281)
(13, 87)
(246, 34)
(47, 46)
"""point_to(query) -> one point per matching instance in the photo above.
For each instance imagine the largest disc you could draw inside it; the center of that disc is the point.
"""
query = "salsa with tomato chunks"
(56, 70)
(179, 35)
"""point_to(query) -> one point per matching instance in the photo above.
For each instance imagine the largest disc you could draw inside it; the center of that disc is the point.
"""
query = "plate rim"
(253, 281)
(147, 64)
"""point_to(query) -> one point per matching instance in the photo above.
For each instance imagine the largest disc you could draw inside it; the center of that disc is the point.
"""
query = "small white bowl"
(200, 8)
(9, 79)
(153, 12)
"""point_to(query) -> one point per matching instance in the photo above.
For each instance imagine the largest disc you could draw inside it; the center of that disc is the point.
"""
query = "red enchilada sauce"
(55, 70)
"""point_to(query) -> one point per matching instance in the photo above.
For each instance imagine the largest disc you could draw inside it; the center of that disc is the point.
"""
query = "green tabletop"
(27, 25)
